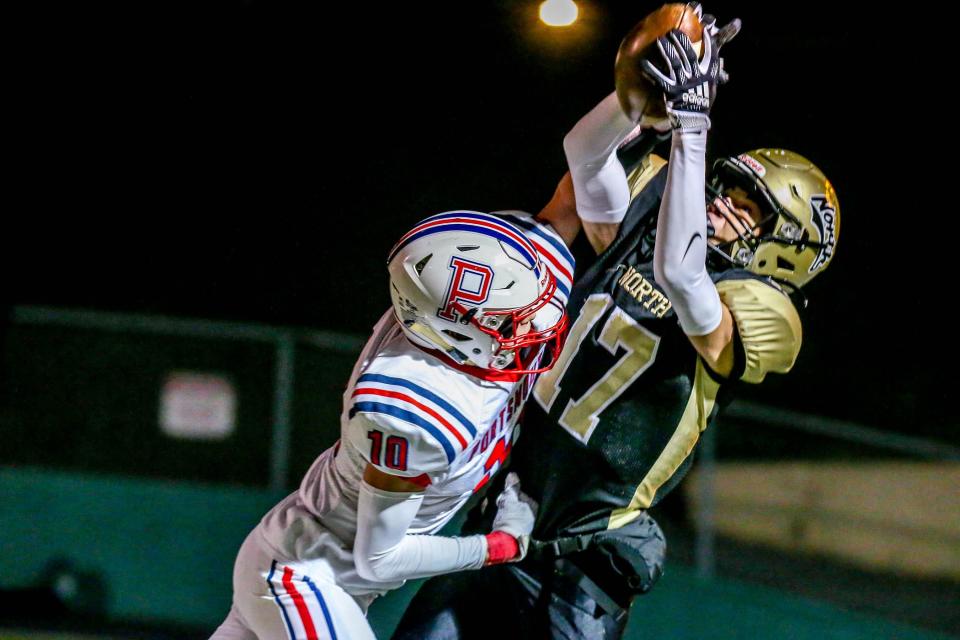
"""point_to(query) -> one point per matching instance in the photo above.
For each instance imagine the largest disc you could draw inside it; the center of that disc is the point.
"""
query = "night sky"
(255, 161)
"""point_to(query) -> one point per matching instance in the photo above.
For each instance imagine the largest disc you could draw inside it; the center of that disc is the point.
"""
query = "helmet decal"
(823, 215)
(469, 283)
(752, 165)
(474, 222)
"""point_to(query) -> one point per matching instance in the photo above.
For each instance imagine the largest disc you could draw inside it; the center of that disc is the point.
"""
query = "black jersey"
(612, 426)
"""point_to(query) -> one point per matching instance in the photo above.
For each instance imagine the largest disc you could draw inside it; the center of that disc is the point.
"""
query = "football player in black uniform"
(688, 296)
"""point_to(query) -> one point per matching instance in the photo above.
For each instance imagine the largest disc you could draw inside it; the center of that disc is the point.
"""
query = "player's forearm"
(384, 552)
(561, 212)
(599, 182)
(681, 244)
(423, 556)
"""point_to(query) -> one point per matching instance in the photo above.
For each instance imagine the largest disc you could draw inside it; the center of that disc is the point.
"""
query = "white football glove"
(516, 512)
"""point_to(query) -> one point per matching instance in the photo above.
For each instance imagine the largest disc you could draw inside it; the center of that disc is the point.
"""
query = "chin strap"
(477, 372)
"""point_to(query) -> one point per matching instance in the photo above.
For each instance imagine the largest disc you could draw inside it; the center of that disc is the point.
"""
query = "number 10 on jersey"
(395, 456)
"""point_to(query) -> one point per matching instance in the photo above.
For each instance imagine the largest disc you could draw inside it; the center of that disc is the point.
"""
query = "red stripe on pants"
(305, 617)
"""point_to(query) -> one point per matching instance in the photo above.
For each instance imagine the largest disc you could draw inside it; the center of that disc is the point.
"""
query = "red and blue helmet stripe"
(474, 222)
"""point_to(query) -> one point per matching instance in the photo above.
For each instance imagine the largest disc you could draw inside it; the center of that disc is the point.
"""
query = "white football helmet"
(462, 281)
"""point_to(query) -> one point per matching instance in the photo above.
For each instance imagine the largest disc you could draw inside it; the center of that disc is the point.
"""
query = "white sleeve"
(599, 182)
(680, 251)
(384, 552)
(406, 424)
(393, 445)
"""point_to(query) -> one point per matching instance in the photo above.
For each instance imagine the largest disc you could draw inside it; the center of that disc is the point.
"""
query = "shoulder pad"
(404, 428)
(768, 324)
(641, 175)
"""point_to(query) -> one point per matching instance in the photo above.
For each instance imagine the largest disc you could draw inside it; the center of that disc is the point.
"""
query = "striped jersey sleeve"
(403, 428)
(549, 245)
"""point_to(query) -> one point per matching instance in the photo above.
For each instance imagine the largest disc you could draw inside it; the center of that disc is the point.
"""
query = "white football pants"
(273, 600)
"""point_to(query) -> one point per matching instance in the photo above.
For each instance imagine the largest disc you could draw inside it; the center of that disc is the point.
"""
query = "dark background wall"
(255, 161)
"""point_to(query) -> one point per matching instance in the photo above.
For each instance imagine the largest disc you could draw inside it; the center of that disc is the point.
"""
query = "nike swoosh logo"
(693, 239)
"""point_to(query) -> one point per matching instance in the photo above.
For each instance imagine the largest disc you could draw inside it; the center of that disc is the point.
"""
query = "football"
(639, 97)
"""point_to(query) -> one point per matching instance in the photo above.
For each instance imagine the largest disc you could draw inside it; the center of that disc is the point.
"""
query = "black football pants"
(504, 602)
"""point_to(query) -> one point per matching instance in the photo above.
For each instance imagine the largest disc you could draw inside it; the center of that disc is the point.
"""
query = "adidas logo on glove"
(695, 98)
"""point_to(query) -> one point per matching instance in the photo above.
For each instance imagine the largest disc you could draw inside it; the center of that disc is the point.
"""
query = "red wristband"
(501, 547)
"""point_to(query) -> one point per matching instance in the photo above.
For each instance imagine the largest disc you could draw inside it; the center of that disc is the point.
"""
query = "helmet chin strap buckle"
(790, 231)
(503, 360)
(744, 256)
(491, 322)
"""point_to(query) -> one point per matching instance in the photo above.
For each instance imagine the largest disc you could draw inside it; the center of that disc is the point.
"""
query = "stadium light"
(558, 13)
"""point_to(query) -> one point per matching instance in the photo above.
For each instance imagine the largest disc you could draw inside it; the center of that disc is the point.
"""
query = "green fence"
(164, 551)
(87, 479)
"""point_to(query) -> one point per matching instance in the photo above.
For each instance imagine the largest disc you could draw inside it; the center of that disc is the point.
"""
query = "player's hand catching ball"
(689, 81)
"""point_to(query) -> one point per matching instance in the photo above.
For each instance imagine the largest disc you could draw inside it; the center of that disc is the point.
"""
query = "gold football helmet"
(797, 237)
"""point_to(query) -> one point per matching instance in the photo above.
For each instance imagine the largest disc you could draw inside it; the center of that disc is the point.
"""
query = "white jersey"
(408, 413)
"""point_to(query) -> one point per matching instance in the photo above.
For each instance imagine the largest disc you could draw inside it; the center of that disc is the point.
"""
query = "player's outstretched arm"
(384, 551)
(599, 182)
(681, 246)
(561, 212)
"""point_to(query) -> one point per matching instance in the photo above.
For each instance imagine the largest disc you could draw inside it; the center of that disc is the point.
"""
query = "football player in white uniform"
(428, 417)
